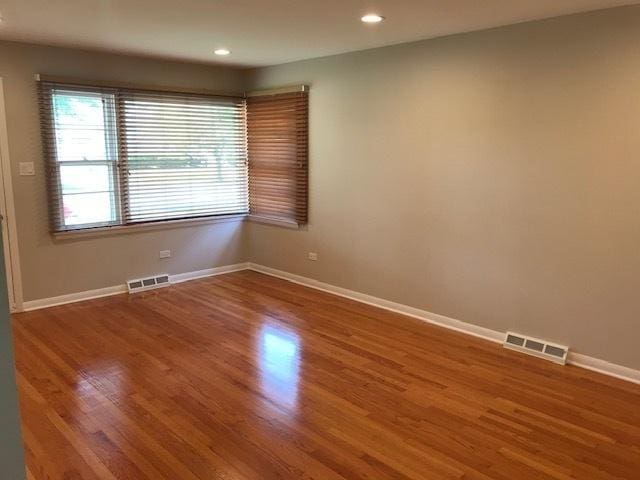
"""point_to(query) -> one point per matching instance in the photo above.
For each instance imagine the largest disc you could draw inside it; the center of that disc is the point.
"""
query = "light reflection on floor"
(279, 361)
(104, 378)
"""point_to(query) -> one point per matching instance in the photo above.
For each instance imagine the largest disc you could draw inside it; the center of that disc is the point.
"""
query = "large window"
(278, 152)
(122, 156)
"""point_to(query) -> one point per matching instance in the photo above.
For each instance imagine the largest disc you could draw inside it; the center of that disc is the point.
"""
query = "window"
(277, 132)
(123, 156)
(84, 139)
(186, 157)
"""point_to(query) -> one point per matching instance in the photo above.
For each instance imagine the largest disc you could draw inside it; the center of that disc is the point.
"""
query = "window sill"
(145, 227)
(274, 221)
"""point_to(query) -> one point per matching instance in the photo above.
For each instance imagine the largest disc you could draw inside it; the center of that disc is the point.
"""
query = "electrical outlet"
(165, 253)
(313, 256)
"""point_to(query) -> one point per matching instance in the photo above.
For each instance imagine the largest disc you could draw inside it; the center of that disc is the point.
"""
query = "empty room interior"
(339, 240)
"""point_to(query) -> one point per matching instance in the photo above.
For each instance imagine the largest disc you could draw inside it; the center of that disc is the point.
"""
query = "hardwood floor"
(244, 376)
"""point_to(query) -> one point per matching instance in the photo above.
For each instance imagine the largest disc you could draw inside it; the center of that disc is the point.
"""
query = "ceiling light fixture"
(222, 51)
(372, 18)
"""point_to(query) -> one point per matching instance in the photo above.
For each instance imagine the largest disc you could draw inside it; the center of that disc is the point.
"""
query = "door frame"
(7, 209)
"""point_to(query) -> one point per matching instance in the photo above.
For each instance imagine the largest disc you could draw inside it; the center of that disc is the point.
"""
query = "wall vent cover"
(148, 283)
(539, 348)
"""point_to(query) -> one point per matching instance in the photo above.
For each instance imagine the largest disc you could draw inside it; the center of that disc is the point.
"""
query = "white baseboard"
(577, 359)
(434, 318)
(209, 272)
(73, 297)
(574, 358)
(118, 289)
(602, 366)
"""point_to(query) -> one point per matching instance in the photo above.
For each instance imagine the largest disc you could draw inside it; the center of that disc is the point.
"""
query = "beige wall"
(491, 177)
(51, 268)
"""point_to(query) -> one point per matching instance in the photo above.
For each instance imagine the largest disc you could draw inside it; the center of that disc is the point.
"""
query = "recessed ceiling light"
(222, 51)
(372, 18)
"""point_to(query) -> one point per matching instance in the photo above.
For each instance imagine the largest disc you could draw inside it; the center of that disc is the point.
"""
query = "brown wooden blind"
(277, 141)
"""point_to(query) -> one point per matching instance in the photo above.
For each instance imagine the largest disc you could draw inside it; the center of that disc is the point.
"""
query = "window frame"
(112, 162)
(279, 164)
(115, 164)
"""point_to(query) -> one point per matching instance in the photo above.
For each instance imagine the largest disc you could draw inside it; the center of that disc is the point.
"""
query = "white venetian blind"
(182, 155)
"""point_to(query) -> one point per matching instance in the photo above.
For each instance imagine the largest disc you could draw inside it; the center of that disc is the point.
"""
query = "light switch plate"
(27, 169)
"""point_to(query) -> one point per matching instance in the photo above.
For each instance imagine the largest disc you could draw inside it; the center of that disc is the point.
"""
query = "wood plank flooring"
(244, 376)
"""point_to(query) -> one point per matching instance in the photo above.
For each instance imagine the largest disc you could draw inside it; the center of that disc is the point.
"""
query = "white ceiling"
(260, 32)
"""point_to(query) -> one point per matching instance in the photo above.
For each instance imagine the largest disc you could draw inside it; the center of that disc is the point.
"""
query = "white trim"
(73, 297)
(118, 289)
(14, 274)
(209, 272)
(604, 367)
(433, 318)
(576, 359)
